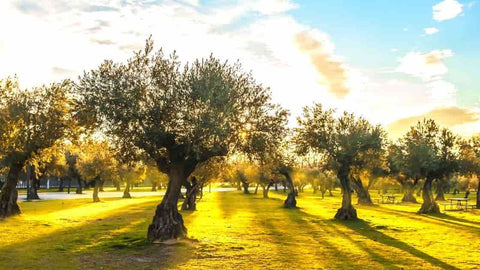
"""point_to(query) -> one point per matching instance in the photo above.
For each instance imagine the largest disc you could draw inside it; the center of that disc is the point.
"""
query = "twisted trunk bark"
(347, 211)
(440, 191)
(429, 205)
(101, 185)
(362, 193)
(126, 192)
(79, 187)
(290, 202)
(61, 184)
(32, 193)
(190, 202)
(478, 191)
(408, 193)
(9, 195)
(95, 190)
(167, 223)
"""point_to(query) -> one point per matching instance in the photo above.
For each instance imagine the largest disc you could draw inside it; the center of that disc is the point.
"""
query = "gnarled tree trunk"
(245, 186)
(79, 187)
(95, 190)
(126, 192)
(61, 184)
(168, 223)
(408, 193)
(429, 205)
(32, 193)
(102, 182)
(347, 211)
(290, 202)
(362, 193)
(440, 190)
(9, 195)
(478, 192)
(266, 189)
(190, 202)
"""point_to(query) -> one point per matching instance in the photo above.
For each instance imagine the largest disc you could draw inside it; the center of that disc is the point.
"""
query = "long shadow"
(87, 247)
(329, 227)
(226, 207)
(439, 219)
(363, 228)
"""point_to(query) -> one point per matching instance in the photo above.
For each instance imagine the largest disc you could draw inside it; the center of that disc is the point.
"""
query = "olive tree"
(180, 115)
(96, 163)
(344, 141)
(470, 160)
(429, 153)
(30, 120)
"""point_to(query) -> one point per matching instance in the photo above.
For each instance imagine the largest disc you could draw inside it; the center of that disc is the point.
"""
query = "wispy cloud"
(431, 30)
(330, 69)
(450, 117)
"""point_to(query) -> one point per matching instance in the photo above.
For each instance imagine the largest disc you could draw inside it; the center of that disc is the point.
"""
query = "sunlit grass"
(232, 230)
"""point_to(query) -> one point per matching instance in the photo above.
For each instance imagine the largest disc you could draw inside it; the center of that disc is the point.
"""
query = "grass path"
(235, 231)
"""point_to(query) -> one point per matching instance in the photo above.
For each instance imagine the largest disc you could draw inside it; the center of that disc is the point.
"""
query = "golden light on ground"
(233, 230)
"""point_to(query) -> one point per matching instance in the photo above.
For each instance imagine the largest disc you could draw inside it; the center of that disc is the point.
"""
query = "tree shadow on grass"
(439, 219)
(117, 240)
(363, 228)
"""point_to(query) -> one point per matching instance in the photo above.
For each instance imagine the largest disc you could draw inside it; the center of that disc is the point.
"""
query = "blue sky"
(362, 29)
(392, 62)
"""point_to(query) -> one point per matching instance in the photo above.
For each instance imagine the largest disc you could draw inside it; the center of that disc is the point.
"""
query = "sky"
(391, 62)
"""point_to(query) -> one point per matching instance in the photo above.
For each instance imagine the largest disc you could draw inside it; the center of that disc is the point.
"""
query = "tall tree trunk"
(32, 193)
(61, 184)
(440, 190)
(245, 187)
(290, 202)
(256, 189)
(102, 182)
(239, 185)
(429, 205)
(95, 190)
(168, 223)
(265, 190)
(347, 211)
(79, 187)
(9, 195)
(408, 193)
(362, 193)
(126, 192)
(276, 187)
(190, 203)
(478, 191)
(117, 185)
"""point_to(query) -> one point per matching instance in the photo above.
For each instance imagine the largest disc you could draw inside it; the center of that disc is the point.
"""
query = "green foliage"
(345, 140)
(174, 114)
(96, 161)
(32, 120)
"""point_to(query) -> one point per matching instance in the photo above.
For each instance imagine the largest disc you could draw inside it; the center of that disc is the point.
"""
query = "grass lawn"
(232, 230)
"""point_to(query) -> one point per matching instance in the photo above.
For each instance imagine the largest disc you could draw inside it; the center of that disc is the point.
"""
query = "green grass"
(232, 230)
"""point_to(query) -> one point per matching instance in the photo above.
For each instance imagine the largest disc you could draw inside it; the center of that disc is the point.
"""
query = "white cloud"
(77, 36)
(431, 30)
(427, 66)
(446, 10)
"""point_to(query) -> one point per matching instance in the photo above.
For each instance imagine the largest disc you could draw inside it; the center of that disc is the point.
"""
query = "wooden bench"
(445, 205)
